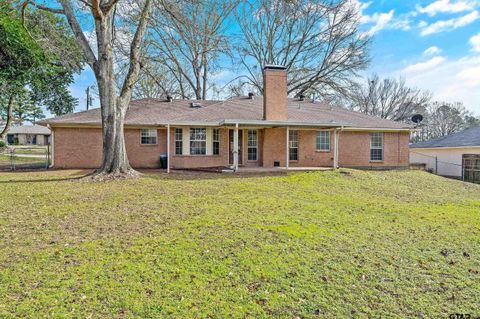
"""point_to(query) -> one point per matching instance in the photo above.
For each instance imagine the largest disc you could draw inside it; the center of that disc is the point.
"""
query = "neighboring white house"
(456, 155)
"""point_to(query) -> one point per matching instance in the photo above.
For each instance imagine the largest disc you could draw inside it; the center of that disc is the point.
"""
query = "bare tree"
(190, 47)
(388, 98)
(114, 103)
(318, 41)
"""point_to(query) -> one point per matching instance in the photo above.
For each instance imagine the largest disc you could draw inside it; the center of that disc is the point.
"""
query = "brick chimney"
(275, 93)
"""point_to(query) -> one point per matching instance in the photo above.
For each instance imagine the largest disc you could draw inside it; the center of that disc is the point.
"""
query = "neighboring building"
(454, 155)
(249, 131)
(28, 135)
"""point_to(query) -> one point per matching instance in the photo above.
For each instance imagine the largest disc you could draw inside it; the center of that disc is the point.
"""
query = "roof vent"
(302, 97)
(169, 98)
(195, 105)
(251, 95)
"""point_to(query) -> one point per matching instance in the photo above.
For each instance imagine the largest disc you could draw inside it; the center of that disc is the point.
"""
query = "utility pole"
(89, 98)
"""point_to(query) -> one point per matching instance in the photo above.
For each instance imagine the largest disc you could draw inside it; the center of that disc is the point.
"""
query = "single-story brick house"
(252, 131)
(28, 135)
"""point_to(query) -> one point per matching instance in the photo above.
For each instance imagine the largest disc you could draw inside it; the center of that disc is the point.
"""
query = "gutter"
(281, 123)
(443, 148)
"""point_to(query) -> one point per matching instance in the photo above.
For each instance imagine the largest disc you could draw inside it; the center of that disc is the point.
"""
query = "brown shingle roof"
(160, 112)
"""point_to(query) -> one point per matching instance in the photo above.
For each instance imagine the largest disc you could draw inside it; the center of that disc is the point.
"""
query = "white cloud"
(447, 25)
(475, 43)
(423, 66)
(432, 51)
(380, 21)
(447, 6)
(360, 6)
(450, 81)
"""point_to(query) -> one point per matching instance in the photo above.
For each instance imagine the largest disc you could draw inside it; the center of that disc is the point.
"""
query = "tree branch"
(41, 7)
(135, 47)
(77, 31)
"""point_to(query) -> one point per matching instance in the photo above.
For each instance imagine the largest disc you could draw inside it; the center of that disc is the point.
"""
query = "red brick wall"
(77, 147)
(145, 156)
(259, 161)
(82, 148)
(275, 96)
(197, 161)
(354, 149)
(274, 146)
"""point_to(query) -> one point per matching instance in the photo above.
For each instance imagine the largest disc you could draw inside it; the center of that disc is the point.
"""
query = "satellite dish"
(417, 118)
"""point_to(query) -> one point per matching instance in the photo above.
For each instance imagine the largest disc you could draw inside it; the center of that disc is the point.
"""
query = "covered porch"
(258, 146)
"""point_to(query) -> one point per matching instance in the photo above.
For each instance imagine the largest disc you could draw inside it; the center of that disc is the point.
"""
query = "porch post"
(287, 147)
(335, 151)
(168, 148)
(235, 148)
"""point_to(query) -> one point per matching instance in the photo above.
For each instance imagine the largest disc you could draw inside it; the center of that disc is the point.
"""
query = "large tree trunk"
(113, 106)
(115, 162)
(9, 117)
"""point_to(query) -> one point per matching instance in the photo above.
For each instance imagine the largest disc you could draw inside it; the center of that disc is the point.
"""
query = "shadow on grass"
(202, 175)
(72, 176)
(155, 174)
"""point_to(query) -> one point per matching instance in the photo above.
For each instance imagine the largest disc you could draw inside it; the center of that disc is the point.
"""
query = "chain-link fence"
(24, 158)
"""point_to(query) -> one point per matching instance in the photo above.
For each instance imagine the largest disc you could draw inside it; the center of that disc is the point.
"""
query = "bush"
(2, 144)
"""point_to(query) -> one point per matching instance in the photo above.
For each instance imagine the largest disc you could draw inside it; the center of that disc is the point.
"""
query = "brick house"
(252, 131)
(28, 135)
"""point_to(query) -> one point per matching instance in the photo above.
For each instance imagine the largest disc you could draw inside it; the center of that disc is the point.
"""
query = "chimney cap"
(251, 95)
(169, 98)
(274, 67)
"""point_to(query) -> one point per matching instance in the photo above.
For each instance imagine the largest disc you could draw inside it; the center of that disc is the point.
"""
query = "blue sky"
(433, 44)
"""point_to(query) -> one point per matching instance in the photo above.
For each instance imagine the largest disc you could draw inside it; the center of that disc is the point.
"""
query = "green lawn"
(6, 159)
(303, 245)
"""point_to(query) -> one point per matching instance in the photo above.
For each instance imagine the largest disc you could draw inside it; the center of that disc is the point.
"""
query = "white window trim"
(190, 141)
(149, 130)
(329, 141)
(290, 145)
(175, 140)
(376, 147)
(256, 145)
(218, 141)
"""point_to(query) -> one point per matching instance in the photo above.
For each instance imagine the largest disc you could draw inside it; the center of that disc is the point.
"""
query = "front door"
(240, 139)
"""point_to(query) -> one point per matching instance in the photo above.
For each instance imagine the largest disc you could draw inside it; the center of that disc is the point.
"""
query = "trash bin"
(163, 161)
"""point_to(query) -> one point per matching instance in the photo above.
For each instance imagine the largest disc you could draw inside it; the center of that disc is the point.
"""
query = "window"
(252, 145)
(323, 141)
(178, 141)
(216, 141)
(376, 146)
(293, 145)
(148, 136)
(198, 141)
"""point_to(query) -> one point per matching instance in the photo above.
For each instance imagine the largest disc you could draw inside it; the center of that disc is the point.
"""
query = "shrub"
(2, 144)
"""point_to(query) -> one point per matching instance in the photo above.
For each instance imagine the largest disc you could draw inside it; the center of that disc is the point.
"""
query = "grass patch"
(6, 159)
(302, 245)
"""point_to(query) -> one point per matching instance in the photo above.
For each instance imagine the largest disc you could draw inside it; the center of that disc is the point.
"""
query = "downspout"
(168, 148)
(335, 151)
(287, 148)
(235, 148)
